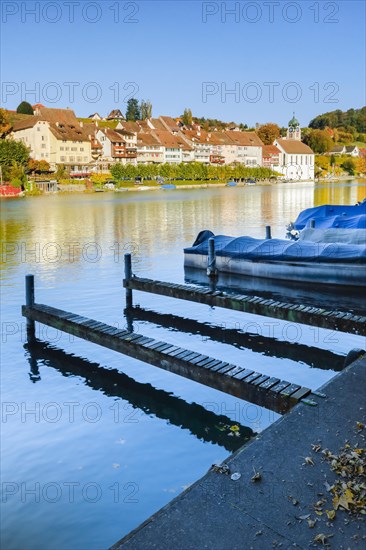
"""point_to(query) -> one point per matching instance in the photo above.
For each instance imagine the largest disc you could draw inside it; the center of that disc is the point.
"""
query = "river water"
(93, 442)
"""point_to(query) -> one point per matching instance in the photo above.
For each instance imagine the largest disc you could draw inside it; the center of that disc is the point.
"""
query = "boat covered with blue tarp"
(306, 261)
(327, 216)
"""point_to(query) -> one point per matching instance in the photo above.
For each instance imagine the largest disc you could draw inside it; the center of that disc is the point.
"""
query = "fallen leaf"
(235, 428)
(309, 460)
(321, 538)
(311, 523)
(343, 500)
(257, 476)
(330, 513)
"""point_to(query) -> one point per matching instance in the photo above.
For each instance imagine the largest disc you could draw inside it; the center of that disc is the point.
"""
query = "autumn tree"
(269, 132)
(5, 124)
(145, 109)
(187, 118)
(25, 108)
(349, 165)
(319, 141)
(133, 110)
(12, 152)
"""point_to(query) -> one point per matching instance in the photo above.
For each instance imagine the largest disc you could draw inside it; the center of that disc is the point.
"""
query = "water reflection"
(270, 347)
(201, 423)
(89, 231)
(340, 299)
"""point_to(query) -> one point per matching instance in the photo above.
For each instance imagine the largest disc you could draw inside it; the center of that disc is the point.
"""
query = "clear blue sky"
(170, 49)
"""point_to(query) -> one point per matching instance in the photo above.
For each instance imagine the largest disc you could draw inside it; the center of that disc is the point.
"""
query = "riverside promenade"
(283, 493)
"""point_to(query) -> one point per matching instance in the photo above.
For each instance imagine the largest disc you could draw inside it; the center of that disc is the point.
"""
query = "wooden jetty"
(240, 381)
(316, 317)
(265, 345)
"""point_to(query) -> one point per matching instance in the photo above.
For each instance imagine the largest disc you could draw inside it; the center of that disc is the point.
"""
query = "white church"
(296, 160)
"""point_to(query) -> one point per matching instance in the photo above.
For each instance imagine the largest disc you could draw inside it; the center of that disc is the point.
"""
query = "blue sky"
(275, 57)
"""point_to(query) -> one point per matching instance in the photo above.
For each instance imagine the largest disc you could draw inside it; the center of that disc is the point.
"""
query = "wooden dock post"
(312, 223)
(29, 300)
(128, 277)
(211, 258)
(268, 232)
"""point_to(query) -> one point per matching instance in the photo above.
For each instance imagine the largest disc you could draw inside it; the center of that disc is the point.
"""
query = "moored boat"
(316, 263)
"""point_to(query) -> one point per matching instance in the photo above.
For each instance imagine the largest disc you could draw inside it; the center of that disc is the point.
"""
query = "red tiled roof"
(293, 146)
(172, 141)
(145, 138)
(247, 139)
(269, 150)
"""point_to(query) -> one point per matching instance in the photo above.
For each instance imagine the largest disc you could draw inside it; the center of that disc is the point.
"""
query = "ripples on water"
(93, 441)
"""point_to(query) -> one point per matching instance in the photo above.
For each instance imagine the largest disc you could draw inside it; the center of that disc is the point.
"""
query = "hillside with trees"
(352, 121)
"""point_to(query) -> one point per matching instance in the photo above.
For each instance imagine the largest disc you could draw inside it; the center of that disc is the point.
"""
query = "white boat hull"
(332, 273)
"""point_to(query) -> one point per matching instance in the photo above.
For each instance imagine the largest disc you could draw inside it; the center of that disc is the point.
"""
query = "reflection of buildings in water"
(152, 223)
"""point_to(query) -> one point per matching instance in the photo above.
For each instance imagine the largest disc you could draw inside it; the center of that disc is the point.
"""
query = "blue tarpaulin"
(278, 249)
(333, 216)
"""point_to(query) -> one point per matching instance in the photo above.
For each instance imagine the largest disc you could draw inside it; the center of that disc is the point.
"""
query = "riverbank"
(279, 490)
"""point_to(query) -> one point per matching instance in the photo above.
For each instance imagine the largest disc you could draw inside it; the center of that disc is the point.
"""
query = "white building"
(296, 160)
(56, 136)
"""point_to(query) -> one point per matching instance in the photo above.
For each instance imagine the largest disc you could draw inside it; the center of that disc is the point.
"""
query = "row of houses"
(56, 135)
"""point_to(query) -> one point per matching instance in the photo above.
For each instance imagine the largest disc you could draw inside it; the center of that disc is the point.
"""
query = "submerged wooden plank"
(342, 321)
(226, 377)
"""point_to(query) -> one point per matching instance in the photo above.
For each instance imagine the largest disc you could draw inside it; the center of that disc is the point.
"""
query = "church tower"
(294, 130)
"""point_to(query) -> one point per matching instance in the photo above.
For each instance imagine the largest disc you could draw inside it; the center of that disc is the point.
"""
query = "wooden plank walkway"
(240, 381)
(332, 320)
(259, 343)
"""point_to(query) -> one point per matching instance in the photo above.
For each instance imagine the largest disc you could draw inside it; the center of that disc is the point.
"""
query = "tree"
(4, 122)
(12, 151)
(269, 132)
(319, 141)
(38, 166)
(61, 172)
(187, 118)
(25, 108)
(145, 109)
(332, 160)
(133, 110)
(349, 166)
(16, 174)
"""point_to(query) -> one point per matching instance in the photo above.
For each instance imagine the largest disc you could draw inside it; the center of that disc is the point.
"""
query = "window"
(73, 148)
(38, 129)
(62, 159)
(44, 146)
(81, 148)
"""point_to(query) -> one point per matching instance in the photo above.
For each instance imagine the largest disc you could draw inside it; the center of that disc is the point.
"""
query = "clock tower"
(294, 130)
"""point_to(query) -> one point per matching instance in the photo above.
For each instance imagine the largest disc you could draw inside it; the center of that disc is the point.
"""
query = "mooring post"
(312, 223)
(268, 232)
(128, 277)
(211, 260)
(29, 301)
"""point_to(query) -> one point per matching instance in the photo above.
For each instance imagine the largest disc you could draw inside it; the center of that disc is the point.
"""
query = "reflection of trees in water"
(147, 222)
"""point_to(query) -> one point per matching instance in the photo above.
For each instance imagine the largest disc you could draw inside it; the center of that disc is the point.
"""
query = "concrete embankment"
(282, 496)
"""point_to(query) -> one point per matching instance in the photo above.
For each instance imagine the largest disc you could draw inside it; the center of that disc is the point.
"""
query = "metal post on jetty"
(268, 232)
(29, 300)
(128, 277)
(211, 260)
